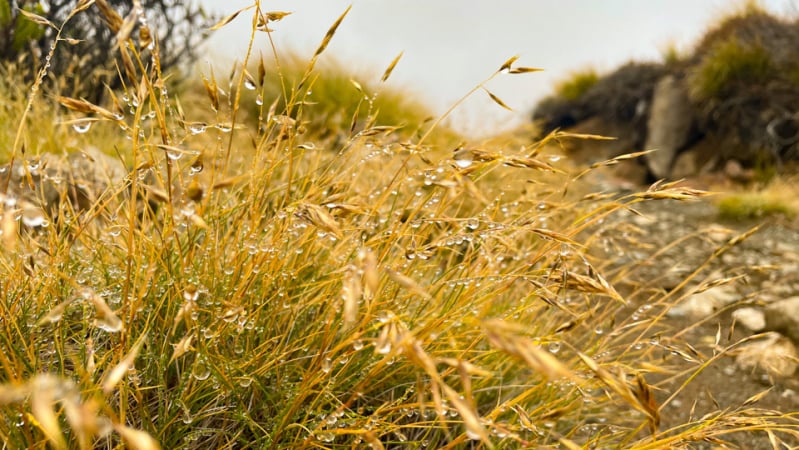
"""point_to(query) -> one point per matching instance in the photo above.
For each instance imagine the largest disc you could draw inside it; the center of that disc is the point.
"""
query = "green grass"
(731, 63)
(778, 198)
(335, 96)
(577, 84)
(287, 290)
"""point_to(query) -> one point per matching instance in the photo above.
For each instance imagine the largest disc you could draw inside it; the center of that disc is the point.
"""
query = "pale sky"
(452, 45)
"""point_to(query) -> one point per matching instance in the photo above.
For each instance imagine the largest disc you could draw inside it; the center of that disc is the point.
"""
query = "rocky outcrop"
(735, 98)
(671, 124)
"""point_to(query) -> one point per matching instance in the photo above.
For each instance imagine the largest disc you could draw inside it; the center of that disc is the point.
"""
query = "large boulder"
(737, 94)
(671, 125)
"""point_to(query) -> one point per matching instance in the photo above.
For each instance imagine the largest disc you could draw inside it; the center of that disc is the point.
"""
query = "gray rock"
(783, 316)
(671, 121)
(704, 304)
(752, 318)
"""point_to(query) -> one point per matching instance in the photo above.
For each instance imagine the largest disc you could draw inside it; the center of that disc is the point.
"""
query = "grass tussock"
(777, 198)
(250, 284)
(577, 84)
(731, 63)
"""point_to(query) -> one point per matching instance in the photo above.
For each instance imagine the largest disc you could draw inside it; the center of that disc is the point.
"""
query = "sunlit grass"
(282, 289)
(777, 198)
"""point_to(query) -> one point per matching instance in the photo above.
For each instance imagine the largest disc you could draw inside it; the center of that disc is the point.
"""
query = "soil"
(768, 265)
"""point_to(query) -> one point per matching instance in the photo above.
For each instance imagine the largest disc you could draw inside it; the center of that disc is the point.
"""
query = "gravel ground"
(681, 236)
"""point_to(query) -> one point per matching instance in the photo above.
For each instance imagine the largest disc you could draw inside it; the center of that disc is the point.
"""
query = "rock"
(752, 318)
(45, 183)
(670, 124)
(783, 316)
(736, 172)
(704, 304)
(775, 354)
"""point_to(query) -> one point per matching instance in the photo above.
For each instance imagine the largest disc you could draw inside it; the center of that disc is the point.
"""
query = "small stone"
(704, 304)
(783, 316)
(752, 318)
(717, 233)
(775, 354)
(644, 220)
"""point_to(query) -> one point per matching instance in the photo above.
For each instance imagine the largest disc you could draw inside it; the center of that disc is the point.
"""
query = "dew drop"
(197, 128)
(34, 217)
(384, 349)
(110, 323)
(249, 85)
(326, 437)
(201, 371)
(463, 163)
(81, 127)
(472, 435)
(174, 155)
(191, 293)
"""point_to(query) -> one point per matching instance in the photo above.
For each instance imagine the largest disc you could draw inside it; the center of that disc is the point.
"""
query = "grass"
(577, 84)
(731, 63)
(280, 289)
(777, 198)
(340, 100)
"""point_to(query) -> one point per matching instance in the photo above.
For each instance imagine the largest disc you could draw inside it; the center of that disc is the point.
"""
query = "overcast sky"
(452, 45)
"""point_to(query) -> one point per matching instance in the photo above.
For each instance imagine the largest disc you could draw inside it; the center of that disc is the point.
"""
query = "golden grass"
(285, 290)
(777, 198)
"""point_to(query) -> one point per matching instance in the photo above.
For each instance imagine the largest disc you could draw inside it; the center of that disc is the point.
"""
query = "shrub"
(86, 49)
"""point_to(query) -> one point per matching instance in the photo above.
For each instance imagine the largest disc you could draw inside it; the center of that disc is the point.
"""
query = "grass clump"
(577, 84)
(731, 64)
(338, 101)
(282, 290)
(778, 198)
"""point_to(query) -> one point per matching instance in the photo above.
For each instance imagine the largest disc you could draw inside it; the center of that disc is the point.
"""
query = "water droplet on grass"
(327, 365)
(201, 371)
(81, 127)
(109, 323)
(197, 128)
(174, 155)
(326, 437)
(34, 217)
(249, 85)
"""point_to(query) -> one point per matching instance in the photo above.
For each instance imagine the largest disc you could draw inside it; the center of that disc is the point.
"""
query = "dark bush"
(85, 59)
